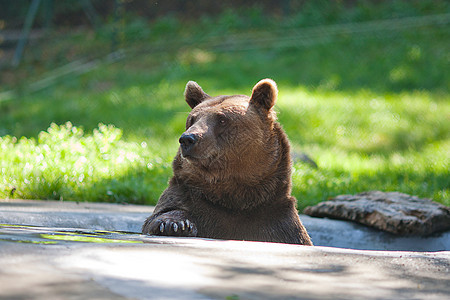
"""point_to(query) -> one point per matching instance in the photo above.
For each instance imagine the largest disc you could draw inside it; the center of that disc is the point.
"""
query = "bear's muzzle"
(187, 142)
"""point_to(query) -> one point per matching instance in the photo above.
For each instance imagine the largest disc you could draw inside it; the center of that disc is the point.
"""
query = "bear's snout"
(187, 142)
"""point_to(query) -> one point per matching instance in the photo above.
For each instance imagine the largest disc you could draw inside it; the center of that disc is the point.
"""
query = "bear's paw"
(173, 223)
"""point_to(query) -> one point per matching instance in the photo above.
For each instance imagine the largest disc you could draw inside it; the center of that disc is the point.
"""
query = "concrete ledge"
(64, 262)
(192, 268)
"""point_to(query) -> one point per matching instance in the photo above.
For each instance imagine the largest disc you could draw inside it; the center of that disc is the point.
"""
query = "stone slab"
(393, 212)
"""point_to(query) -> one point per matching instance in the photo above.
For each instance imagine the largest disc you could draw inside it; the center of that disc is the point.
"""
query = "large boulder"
(393, 212)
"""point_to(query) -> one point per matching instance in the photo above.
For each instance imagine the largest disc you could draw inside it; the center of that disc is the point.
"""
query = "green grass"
(63, 163)
(372, 112)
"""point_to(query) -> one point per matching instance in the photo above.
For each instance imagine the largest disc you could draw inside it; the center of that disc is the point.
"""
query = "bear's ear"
(264, 94)
(194, 94)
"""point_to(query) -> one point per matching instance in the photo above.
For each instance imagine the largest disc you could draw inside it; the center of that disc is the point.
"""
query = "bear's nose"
(187, 141)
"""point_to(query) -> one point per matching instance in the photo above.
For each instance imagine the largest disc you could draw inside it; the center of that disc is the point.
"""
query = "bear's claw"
(182, 227)
(171, 223)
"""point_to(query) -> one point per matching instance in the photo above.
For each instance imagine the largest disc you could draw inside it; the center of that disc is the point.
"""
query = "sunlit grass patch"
(424, 174)
(364, 121)
(65, 163)
(365, 141)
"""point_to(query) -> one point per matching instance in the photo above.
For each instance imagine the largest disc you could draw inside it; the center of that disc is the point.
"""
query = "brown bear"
(232, 173)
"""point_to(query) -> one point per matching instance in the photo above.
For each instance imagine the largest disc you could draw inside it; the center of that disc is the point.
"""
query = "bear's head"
(230, 136)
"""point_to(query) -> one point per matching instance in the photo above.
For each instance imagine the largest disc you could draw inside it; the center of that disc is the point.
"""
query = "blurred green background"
(94, 108)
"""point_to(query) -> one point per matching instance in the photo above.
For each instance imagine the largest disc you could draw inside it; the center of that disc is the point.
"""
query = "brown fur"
(232, 173)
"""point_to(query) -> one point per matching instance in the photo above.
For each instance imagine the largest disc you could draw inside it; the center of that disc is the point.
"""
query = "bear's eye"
(222, 119)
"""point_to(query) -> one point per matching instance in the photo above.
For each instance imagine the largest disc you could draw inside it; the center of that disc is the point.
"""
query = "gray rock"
(392, 212)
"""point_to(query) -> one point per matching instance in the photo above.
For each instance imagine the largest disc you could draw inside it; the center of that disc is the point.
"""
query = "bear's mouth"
(205, 159)
(189, 155)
